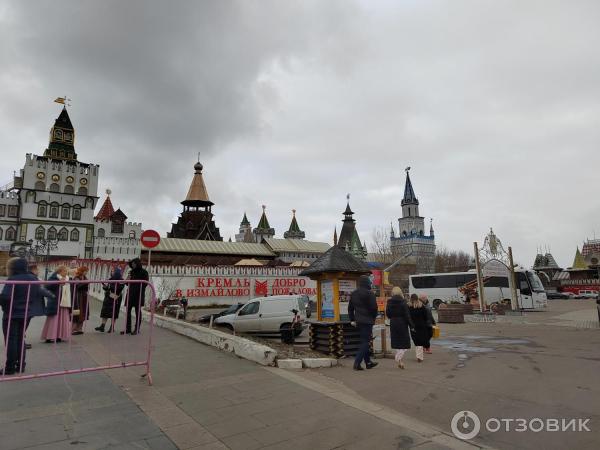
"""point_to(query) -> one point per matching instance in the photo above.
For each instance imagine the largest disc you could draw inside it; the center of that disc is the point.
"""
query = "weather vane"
(407, 169)
(63, 100)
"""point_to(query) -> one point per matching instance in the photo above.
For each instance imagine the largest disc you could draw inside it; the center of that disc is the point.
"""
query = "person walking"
(112, 300)
(57, 327)
(362, 310)
(81, 311)
(136, 295)
(400, 322)
(19, 302)
(430, 322)
(418, 314)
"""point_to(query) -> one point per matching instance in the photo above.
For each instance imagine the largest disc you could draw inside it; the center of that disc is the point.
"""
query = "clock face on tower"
(70, 179)
(55, 178)
(83, 181)
(41, 175)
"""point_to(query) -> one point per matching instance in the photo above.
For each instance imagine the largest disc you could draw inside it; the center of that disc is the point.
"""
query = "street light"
(42, 249)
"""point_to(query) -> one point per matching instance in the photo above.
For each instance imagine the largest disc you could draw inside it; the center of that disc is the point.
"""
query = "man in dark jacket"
(19, 303)
(362, 309)
(136, 295)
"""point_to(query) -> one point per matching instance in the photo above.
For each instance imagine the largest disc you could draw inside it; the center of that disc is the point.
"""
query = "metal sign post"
(150, 239)
(514, 301)
(480, 288)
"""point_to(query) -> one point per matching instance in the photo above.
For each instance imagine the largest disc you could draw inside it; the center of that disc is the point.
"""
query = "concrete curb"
(244, 348)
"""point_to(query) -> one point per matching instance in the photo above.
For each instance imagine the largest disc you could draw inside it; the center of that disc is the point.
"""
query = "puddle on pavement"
(462, 346)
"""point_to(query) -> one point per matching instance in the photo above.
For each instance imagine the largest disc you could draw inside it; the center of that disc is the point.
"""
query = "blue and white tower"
(412, 237)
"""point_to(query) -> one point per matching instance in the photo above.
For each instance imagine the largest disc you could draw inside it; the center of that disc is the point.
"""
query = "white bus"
(448, 287)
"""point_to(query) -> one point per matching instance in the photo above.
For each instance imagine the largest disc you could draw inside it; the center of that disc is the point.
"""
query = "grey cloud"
(494, 104)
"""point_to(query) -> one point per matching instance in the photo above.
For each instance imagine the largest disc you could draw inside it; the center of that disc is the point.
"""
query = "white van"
(266, 314)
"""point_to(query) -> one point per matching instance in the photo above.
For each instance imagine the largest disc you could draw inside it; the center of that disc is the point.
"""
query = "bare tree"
(452, 260)
(381, 248)
(166, 286)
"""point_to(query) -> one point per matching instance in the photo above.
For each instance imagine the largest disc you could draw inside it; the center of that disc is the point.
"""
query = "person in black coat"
(136, 293)
(19, 302)
(400, 322)
(362, 309)
(112, 300)
(420, 335)
(430, 322)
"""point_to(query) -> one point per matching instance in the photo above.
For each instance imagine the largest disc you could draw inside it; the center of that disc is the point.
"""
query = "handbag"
(76, 312)
(436, 331)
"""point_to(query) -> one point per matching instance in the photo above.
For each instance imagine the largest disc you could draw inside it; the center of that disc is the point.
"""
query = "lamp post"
(42, 248)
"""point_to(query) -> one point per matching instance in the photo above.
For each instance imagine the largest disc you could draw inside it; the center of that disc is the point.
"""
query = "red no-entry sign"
(150, 238)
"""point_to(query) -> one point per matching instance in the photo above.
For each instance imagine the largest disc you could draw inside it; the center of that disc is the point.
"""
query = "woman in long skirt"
(112, 300)
(58, 310)
(81, 311)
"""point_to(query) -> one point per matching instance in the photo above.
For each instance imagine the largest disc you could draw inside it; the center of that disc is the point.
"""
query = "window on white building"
(2, 210)
(76, 212)
(40, 186)
(69, 189)
(11, 234)
(82, 191)
(65, 212)
(54, 187)
(40, 233)
(1, 234)
(132, 234)
(51, 234)
(75, 235)
(30, 197)
(42, 209)
(89, 203)
(54, 210)
(63, 234)
(13, 211)
(101, 232)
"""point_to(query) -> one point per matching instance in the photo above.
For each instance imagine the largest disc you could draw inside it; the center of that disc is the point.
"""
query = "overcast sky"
(293, 104)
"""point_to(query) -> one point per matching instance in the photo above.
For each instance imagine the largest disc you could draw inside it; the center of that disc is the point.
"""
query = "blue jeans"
(366, 331)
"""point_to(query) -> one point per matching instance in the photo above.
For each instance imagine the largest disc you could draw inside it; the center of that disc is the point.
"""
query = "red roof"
(106, 211)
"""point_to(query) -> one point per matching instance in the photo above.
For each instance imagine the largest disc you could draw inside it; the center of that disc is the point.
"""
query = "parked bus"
(458, 286)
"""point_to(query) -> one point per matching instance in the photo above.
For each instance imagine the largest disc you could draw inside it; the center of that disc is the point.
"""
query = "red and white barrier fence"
(65, 304)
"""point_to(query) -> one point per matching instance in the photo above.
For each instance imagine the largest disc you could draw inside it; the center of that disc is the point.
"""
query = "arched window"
(132, 234)
(82, 190)
(54, 210)
(13, 211)
(11, 234)
(63, 234)
(69, 189)
(0, 234)
(40, 233)
(101, 232)
(75, 234)
(30, 197)
(65, 212)
(51, 234)
(58, 134)
(76, 212)
(42, 209)
(54, 187)
(40, 186)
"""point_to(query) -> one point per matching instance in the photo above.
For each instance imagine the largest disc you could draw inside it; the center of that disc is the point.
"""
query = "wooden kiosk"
(336, 273)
